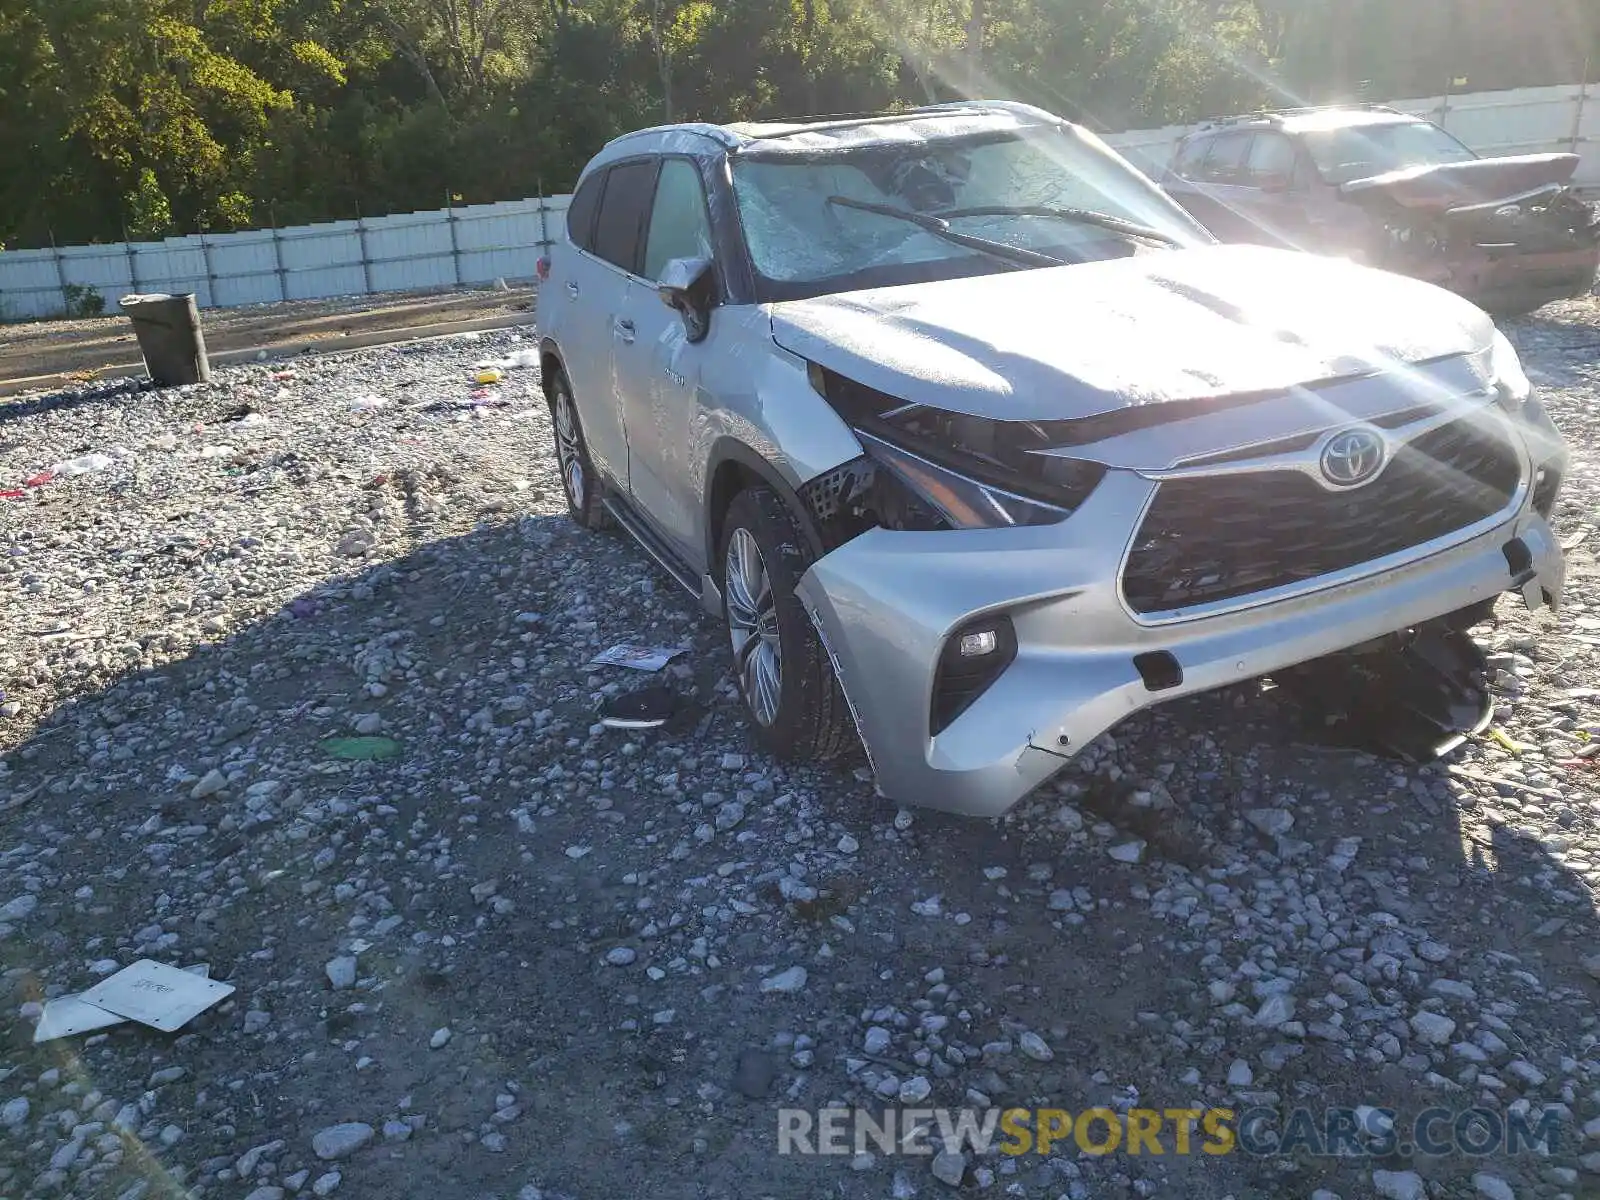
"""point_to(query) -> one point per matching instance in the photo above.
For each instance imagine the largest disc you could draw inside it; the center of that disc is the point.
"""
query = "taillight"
(543, 267)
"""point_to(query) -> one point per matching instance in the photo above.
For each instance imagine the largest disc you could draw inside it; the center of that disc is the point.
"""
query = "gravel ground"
(534, 957)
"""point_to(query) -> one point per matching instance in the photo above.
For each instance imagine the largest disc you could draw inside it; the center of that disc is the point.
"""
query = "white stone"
(341, 972)
(1493, 1186)
(785, 982)
(1399, 1185)
(949, 1167)
(1035, 1047)
(1433, 1028)
(340, 1141)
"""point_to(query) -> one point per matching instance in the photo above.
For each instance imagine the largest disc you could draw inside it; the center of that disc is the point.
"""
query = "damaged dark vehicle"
(1394, 191)
(976, 443)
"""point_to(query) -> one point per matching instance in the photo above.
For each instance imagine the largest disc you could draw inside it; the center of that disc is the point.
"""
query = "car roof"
(1307, 120)
(813, 135)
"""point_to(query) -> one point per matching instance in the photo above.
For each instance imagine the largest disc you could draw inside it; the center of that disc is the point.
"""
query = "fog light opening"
(974, 657)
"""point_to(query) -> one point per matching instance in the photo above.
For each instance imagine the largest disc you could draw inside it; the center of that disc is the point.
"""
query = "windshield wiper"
(940, 228)
(1078, 216)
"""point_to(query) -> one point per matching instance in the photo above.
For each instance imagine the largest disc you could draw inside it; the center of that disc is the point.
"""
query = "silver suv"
(975, 440)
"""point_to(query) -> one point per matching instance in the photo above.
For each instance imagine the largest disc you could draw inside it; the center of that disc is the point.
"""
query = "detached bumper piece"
(1415, 699)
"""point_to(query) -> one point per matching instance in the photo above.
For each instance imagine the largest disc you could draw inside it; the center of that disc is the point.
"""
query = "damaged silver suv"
(977, 442)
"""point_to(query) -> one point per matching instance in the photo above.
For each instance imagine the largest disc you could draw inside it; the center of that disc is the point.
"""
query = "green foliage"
(170, 116)
(82, 300)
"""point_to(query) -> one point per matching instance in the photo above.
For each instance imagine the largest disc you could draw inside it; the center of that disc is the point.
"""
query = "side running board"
(641, 532)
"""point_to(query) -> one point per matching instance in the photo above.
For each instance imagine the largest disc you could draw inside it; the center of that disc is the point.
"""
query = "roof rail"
(1274, 114)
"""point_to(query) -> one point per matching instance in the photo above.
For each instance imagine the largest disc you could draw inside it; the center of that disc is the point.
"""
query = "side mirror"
(689, 286)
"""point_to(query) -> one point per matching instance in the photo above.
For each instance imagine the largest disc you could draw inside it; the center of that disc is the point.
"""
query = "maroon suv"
(1392, 190)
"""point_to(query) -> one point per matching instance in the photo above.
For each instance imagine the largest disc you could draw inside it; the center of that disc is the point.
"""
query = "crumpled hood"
(1064, 342)
(1463, 184)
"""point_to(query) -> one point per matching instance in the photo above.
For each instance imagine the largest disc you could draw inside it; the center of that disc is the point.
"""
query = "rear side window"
(1271, 160)
(1190, 156)
(580, 213)
(623, 206)
(1225, 163)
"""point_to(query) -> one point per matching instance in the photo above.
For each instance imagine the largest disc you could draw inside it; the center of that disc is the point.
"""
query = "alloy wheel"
(569, 449)
(753, 626)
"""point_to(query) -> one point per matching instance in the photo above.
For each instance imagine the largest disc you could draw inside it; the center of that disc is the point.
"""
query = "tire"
(580, 483)
(801, 715)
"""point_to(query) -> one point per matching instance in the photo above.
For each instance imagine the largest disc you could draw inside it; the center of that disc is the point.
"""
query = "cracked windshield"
(754, 600)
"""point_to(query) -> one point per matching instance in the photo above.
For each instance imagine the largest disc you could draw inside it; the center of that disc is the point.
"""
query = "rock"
(341, 972)
(1526, 1072)
(340, 1141)
(397, 1131)
(785, 982)
(1240, 1074)
(20, 908)
(1273, 822)
(1432, 1028)
(165, 1076)
(915, 1090)
(1035, 1047)
(949, 1167)
(440, 1039)
(265, 1193)
(1275, 1009)
(1591, 1129)
(1128, 851)
(621, 956)
(326, 1185)
(1493, 1187)
(753, 1073)
(848, 844)
(368, 724)
(14, 1112)
(1399, 1185)
(212, 782)
(1591, 964)
(877, 1040)
(248, 1161)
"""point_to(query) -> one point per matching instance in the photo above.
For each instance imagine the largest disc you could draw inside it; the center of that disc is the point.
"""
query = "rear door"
(1270, 198)
(571, 304)
(658, 369)
(598, 291)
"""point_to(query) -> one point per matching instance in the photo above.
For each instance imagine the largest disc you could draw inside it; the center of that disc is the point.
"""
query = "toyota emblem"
(1352, 458)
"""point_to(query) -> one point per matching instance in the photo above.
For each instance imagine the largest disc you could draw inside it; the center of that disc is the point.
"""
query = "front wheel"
(782, 670)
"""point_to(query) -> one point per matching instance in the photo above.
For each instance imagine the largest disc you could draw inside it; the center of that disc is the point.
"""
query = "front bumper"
(886, 602)
(1487, 276)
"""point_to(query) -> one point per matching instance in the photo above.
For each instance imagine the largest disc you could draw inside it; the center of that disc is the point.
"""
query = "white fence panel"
(481, 243)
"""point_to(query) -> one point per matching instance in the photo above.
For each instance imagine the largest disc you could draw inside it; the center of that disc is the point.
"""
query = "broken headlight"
(974, 472)
(1515, 393)
(1512, 386)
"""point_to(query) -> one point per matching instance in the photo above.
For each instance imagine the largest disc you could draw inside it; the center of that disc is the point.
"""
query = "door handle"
(572, 289)
(625, 330)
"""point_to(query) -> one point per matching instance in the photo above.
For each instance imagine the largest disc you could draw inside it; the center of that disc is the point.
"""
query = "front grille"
(1219, 537)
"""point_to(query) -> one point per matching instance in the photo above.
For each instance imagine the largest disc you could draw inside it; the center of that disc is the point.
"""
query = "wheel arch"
(550, 363)
(731, 467)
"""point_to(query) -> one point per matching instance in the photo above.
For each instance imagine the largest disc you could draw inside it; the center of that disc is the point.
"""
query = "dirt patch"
(106, 345)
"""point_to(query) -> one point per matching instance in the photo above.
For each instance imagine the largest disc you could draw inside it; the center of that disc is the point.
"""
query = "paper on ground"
(640, 658)
(157, 995)
(67, 1015)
